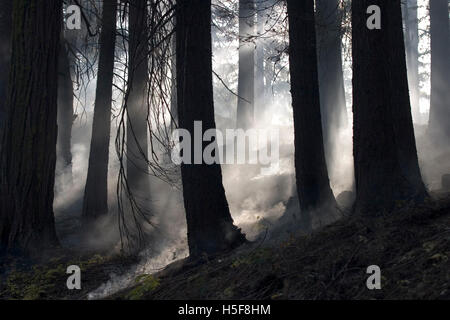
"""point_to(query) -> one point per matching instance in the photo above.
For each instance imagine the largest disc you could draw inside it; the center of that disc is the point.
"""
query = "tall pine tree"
(137, 105)
(385, 156)
(313, 185)
(95, 202)
(209, 222)
(28, 157)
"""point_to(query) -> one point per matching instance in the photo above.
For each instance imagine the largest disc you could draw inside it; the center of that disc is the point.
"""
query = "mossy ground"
(31, 279)
(410, 245)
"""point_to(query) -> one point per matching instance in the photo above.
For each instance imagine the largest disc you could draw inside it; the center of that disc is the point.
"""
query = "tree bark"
(313, 184)
(209, 222)
(385, 156)
(439, 123)
(27, 167)
(95, 202)
(65, 116)
(137, 108)
(331, 77)
(173, 92)
(246, 78)
(5, 55)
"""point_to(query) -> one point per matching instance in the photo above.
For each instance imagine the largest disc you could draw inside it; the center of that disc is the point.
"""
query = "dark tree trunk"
(411, 22)
(246, 78)
(95, 202)
(385, 156)
(5, 55)
(28, 156)
(173, 93)
(439, 125)
(209, 222)
(313, 185)
(65, 116)
(331, 77)
(137, 107)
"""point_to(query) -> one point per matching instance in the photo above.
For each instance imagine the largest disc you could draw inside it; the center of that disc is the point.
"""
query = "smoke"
(69, 192)
(433, 152)
(151, 261)
(257, 202)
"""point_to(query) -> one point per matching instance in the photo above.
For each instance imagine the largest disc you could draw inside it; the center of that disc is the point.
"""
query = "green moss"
(33, 292)
(33, 284)
(147, 283)
(228, 293)
(55, 273)
(14, 284)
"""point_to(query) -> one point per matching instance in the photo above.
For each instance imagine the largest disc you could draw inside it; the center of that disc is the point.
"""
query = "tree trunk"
(5, 55)
(411, 22)
(29, 138)
(385, 156)
(439, 125)
(173, 93)
(260, 101)
(209, 222)
(331, 77)
(95, 202)
(313, 185)
(246, 78)
(65, 117)
(137, 130)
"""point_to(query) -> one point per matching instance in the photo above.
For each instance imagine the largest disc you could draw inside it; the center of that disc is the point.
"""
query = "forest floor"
(411, 246)
(45, 277)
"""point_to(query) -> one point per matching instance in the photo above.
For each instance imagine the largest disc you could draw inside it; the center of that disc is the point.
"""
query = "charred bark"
(173, 93)
(209, 222)
(28, 157)
(65, 116)
(313, 184)
(5, 55)
(137, 105)
(385, 156)
(95, 202)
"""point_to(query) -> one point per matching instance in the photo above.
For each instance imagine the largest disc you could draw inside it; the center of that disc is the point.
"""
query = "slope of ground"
(45, 277)
(410, 245)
